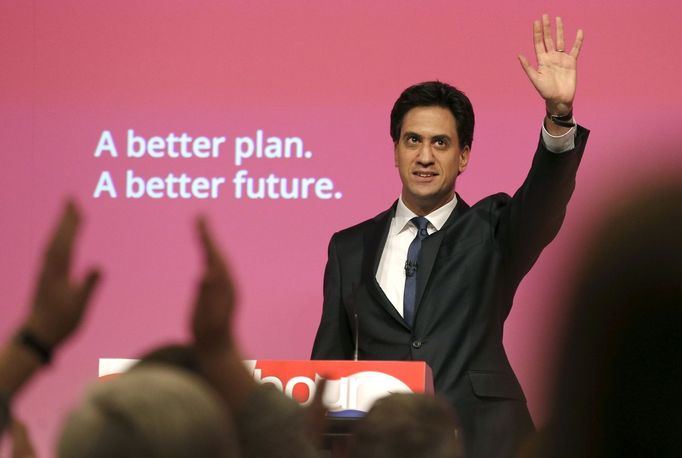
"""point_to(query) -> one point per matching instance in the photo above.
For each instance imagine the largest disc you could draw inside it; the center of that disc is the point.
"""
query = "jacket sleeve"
(334, 335)
(533, 216)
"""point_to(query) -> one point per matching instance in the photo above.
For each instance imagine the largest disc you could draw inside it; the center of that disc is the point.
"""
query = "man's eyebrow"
(412, 134)
(438, 138)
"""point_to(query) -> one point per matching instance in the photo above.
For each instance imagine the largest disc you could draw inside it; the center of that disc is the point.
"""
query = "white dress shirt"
(391, 272)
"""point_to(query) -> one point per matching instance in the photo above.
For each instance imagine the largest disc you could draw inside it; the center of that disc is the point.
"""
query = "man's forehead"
(429, 120)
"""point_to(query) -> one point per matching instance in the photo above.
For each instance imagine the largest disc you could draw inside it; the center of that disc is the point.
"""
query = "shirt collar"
(437, 218)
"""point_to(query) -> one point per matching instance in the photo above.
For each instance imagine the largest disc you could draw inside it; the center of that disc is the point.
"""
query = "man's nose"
(425, 154)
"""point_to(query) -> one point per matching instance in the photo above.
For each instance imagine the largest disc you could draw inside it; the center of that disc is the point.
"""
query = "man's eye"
(441, 143)
(412, 139)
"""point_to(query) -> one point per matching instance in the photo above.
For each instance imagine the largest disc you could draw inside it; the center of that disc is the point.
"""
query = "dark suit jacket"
(468, 274)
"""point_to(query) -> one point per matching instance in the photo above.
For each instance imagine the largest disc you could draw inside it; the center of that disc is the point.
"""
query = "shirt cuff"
(561, 143)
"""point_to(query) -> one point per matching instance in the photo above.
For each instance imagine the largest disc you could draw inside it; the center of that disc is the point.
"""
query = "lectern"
(352, 386)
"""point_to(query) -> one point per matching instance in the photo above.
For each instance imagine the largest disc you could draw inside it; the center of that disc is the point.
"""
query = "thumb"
(91, 281)
(527, 67)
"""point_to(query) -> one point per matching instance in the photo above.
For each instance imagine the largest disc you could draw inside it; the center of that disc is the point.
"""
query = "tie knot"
(420, 223)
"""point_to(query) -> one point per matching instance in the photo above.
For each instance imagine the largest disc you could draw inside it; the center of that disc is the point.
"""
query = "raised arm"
(57, 309)
(212, 319)
(60, 301)
(556, 74)
(258, 412)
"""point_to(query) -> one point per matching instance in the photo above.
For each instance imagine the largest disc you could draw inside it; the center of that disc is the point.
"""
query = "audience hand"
(216, 298)
(60, 301)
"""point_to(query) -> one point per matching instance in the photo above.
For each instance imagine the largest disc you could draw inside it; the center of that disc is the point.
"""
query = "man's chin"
(426, 202)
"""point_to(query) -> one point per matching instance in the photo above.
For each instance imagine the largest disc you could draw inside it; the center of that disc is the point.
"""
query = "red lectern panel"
(352, 387)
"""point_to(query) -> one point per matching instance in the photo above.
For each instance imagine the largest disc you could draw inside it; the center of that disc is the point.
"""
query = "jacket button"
(416, 344)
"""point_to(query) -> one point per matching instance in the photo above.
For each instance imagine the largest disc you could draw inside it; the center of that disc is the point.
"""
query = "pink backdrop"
(327, 73)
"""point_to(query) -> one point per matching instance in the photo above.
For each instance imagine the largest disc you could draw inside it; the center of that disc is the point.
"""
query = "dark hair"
(430, 94)
(180, 356)
(407, 425)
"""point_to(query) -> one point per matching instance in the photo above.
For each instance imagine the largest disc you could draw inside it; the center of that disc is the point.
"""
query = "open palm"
(556, 74)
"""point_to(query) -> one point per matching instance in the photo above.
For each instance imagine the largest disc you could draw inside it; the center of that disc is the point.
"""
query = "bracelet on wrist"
(29, 340)
(562, 120)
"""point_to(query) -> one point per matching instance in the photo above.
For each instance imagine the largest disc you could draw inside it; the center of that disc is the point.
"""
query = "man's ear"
(464, 158)
(395, 154)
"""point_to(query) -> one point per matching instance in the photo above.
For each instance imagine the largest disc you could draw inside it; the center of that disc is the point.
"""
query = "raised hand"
(216, 298)
(60, 301)
(556, 74)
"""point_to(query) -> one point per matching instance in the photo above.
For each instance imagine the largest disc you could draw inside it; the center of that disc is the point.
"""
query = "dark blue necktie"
(411, 269)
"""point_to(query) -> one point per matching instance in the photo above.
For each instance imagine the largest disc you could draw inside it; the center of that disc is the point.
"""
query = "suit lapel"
(375, 239)
(430, 247)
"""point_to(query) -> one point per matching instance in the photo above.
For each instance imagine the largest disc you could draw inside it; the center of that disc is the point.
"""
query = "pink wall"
(327, 72)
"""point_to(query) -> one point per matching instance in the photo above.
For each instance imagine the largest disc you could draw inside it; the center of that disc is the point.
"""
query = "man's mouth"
(425, 174)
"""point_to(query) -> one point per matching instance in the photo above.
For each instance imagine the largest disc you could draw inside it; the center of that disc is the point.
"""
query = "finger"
(216, 267)
(211, 315)
(58, 254)
(527, 67)
(209, 309)
(199, 309)
(89, 285)
(212, 255)
(560, 35)
(547, 33)
(537, 38)
(577, 44)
